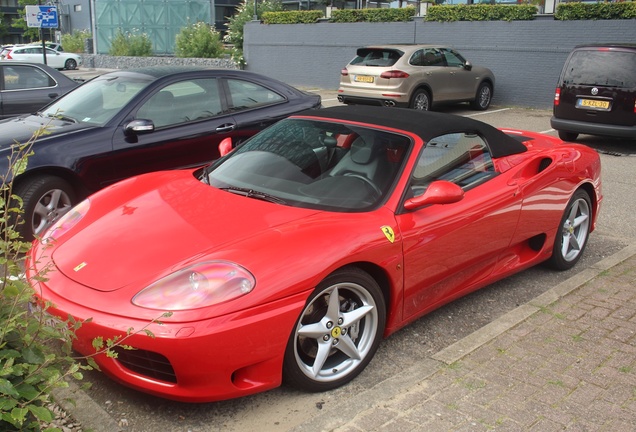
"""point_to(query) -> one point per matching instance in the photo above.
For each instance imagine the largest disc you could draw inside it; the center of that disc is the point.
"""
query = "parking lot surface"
(537, 351)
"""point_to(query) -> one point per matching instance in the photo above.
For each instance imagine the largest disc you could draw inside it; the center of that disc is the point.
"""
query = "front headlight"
(66, 222)
(201, 285)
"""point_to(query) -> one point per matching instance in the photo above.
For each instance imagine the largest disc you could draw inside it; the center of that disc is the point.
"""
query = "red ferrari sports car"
(292, 256)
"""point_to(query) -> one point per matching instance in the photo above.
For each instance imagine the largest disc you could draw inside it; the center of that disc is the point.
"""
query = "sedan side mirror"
(438, 192)
(138, 127)
(468, 66)
(225, 146)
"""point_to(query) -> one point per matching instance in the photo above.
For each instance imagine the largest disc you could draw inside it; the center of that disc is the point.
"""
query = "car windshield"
(314, 164)
(604, 68)
(97, 101)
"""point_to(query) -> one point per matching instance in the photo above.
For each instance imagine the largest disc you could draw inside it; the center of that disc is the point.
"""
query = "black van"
(596, 93)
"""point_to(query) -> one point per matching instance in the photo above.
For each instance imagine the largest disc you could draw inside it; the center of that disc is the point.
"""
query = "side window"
(432, 57)
(461, 158)
(183, 102)
(453, 59)
(417, 59)
(25, 77)
(245, 95)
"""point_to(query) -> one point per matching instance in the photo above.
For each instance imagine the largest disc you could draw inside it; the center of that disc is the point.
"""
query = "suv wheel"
(483, 97)
(421, 100)
(568, 136)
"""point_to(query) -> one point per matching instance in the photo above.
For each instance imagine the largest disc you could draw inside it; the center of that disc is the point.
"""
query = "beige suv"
(415, 76)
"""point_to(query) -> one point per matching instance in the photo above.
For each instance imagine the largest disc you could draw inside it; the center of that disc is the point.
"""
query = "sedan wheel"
(45, 200)
(338, 332)
(421, 100)
(573, 232)
(70, 64)
(483, 97)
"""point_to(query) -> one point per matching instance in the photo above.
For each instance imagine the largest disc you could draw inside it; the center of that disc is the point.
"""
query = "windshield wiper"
(62, 117)
(251, 193)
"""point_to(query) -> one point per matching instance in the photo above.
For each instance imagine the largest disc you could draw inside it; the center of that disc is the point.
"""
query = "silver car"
(415, 76)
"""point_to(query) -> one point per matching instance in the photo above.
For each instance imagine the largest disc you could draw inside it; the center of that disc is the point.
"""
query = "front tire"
(483, 97)
(421, 100)
(337, 333)
(45, 199)
(574, 231)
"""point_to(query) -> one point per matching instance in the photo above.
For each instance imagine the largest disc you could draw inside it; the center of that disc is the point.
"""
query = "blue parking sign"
(42, 16)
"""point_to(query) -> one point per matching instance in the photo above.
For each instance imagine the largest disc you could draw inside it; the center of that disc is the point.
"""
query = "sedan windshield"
(98, 100)
(314, 164)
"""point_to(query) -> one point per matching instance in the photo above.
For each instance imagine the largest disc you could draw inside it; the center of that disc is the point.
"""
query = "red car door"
(450, 247)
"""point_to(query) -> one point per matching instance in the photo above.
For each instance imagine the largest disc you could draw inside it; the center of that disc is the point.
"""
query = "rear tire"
(573, 232)
(421, 100)
(70, 64)
(483, 97)
(568, 136)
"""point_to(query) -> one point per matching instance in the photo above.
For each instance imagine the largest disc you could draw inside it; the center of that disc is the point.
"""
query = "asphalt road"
(284, 408)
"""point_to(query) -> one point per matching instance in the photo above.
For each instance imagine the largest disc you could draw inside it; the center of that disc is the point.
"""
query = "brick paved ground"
(570, 365)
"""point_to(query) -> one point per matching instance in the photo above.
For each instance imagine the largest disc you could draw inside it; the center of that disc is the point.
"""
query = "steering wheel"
(367, 181)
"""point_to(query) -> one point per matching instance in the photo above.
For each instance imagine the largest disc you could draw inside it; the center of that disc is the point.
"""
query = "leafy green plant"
(373, 15)
(481, 12)
(75, 42)
(292, 17)
(199, 40)
(35, 348)
(130, 44)
(594, 11)
(244, 14)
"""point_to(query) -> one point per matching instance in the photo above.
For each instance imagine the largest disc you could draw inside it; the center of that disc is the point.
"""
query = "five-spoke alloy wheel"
(338, 332)
(573, 233)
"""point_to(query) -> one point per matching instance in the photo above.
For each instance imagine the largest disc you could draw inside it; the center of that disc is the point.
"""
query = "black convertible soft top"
(425, 124)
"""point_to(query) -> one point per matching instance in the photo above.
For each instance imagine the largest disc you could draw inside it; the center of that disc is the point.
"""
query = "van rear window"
(601, 68)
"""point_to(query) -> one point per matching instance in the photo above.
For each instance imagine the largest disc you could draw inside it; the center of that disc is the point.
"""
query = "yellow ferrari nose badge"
(388, 232)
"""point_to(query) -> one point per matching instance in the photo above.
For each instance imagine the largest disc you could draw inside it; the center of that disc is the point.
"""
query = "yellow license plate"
(364, 78)
(591, 103)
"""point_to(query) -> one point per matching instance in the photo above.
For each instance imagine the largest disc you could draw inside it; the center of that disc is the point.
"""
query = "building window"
(77, 8)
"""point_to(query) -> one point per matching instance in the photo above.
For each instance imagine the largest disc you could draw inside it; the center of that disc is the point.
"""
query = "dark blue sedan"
(131, 122)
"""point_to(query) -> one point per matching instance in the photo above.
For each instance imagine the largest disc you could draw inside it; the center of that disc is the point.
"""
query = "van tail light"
(344, 72)
(394, 74)
(557, 96)
(634, 106)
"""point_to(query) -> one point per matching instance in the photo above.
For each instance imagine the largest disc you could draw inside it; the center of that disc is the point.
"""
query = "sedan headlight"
(66, 222)
(201, 285)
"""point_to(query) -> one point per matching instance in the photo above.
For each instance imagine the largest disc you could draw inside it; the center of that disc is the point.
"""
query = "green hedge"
(595, 11)
(481, 12)
(292, 17)
(373, 15)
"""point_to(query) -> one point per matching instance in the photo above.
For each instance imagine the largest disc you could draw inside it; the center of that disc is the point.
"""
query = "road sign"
(42, 16)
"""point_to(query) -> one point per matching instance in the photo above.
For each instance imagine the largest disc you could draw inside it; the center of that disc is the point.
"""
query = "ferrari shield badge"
(388, 232)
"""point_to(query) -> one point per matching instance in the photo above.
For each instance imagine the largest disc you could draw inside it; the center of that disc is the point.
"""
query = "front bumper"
(219, 358)
(600, 129)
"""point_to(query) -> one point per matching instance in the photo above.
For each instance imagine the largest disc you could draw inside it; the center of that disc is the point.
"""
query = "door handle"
(225, 127)
(53, 95)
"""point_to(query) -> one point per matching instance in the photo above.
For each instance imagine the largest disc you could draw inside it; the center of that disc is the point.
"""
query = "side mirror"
(438, 192)
(468, 66)
(225, 146)
(138, 127)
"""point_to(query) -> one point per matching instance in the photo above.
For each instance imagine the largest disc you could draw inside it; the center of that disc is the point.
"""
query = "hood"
(157, 224)
(21, 129)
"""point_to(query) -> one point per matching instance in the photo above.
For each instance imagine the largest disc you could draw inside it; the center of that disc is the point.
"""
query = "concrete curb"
(416, 375)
